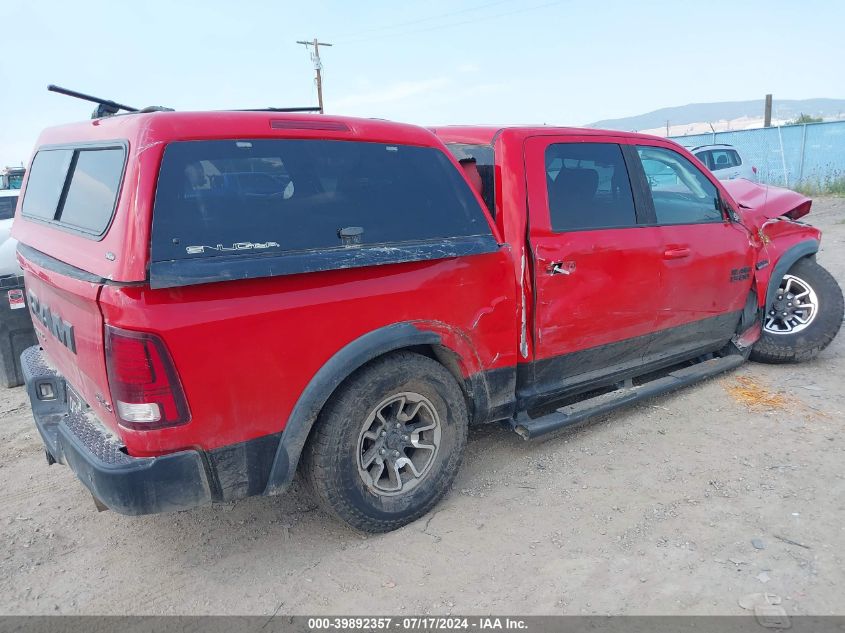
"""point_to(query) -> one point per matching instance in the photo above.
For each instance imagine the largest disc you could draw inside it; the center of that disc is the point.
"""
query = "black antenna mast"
(105, 107)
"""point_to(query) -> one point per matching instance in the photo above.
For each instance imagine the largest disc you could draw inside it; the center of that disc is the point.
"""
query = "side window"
(706, 158)
(92, 191)
(723, 158)
(47, 177)
(588, 187)
(681, 193)
(75, 187)
(735, 157)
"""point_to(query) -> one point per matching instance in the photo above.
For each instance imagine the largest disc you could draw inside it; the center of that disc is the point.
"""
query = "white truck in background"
(16, 331)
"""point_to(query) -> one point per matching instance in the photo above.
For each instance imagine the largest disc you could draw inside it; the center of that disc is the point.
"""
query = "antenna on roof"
(105, 107)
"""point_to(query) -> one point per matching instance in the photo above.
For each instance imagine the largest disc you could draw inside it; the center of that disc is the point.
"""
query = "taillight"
(754, 169)
(145, 387)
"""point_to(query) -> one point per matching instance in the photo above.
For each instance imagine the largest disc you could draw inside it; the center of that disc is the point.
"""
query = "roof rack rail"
(296, 109)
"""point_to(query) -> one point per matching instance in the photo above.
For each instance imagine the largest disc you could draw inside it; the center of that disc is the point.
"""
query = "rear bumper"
(126, 484)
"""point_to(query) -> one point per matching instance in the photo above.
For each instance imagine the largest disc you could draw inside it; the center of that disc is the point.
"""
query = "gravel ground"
(651, 510)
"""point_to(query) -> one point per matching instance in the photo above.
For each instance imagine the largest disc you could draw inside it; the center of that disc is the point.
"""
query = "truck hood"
(759, 203)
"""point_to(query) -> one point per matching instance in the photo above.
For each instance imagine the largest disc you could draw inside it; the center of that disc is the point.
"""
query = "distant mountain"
(702, 112)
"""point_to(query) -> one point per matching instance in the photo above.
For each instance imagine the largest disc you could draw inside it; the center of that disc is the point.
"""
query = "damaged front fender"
(770, 213)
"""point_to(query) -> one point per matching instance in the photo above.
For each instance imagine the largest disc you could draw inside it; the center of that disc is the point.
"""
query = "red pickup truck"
(224, 298)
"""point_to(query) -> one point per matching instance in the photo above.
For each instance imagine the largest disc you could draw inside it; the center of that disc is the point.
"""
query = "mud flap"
(746, 339)
(750, 327)
(101, 507)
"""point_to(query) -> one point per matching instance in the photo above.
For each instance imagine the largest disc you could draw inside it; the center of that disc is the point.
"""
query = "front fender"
(767, 285)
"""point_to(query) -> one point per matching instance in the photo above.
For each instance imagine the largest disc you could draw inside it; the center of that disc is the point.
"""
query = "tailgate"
(69, 325)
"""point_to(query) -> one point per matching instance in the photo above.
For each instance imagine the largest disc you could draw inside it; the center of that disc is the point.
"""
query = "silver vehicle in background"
(725, 162)
(8, 261)
(16, 331)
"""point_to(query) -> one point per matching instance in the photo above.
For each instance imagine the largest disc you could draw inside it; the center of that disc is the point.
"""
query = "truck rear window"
(75, 187)
(268, 197)
(485, 162)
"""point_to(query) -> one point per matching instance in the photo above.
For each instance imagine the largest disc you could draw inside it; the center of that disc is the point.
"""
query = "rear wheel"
(804, 317)
(388, 444)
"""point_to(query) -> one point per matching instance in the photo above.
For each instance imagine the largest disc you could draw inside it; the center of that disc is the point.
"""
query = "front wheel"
(387, 446)
(804, 317)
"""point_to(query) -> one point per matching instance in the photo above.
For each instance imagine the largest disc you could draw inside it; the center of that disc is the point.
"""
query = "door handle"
(561, 268)
(676, 253)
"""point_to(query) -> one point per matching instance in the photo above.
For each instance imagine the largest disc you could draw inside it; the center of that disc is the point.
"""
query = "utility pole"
(767, 112)
(318, 66)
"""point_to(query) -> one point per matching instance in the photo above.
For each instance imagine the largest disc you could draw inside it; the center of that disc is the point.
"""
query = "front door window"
(681, 193)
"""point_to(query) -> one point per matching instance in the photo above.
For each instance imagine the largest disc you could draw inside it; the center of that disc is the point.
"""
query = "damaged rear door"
(596, 270)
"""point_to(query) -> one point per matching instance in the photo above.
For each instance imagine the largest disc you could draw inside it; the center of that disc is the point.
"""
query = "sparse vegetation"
(833, 185)
(806, 118)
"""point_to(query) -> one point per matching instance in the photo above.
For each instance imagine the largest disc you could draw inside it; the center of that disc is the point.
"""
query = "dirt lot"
(652, 510)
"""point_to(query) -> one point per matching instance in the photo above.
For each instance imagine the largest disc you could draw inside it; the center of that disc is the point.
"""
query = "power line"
(454, 24)
(428, 19)
(318, 66)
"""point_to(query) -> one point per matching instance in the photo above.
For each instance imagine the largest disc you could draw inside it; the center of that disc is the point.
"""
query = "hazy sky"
(432, 62)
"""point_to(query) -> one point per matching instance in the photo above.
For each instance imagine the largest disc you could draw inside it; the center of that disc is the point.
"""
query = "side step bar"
(530, 428)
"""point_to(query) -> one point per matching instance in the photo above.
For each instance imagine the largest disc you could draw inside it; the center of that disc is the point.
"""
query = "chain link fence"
(810, 156)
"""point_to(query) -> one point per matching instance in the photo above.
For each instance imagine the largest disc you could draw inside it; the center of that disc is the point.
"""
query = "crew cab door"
(706, 263)
(596, 270)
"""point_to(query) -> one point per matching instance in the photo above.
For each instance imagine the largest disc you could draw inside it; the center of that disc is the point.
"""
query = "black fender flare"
(324, 383)
(784, 263)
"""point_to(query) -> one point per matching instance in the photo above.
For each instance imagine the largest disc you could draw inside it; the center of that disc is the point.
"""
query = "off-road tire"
(806, 344)
(330, 460)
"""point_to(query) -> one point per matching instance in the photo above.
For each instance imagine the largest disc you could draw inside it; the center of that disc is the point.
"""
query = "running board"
(530, 428)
